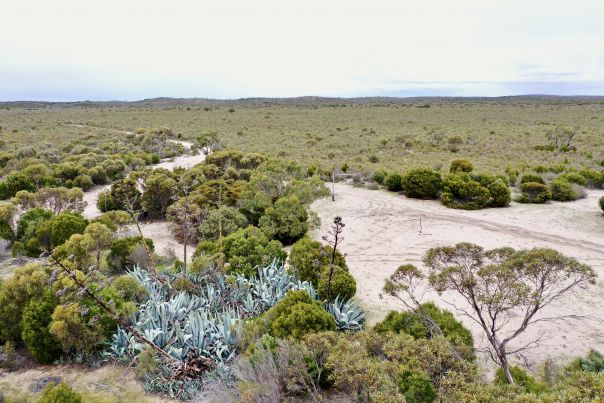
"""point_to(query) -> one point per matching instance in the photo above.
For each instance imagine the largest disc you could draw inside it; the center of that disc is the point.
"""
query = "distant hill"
(307, 100)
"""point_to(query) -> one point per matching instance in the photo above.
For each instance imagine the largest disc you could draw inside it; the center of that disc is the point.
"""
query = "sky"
(64, 50)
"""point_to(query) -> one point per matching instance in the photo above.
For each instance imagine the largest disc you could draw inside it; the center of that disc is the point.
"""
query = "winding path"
(157, 230)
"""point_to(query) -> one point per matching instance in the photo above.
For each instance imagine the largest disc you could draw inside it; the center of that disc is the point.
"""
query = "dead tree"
(336, 238)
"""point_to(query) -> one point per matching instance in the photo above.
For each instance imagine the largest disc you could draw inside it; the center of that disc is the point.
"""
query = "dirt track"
(383, 231)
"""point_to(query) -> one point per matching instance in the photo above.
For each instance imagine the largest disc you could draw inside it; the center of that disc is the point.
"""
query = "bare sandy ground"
(382, 232)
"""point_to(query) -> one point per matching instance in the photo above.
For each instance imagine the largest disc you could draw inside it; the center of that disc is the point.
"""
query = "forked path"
(383, 231)
(157, 231)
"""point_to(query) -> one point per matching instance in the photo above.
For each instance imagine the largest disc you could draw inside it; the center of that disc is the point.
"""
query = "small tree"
(184, 217)
(502, 284)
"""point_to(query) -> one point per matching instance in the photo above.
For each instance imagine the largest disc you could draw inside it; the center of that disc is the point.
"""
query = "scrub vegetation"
(265, 309)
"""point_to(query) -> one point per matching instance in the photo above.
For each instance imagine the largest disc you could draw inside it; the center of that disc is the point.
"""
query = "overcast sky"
(65, 50)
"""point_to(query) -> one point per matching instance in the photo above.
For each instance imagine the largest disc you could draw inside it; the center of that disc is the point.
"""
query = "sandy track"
(157, 231)
(382, 232)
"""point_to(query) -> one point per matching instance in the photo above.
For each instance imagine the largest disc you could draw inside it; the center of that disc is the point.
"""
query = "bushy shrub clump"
(414, 324)
(534, 178)
(460, 191)
(393, 182)
(120, 254)
(563, 190)
(342, 283)
(59, 393)
(297, 315)
(593, 178)
(221, 222)
(422, 184)
(500, 194)
(534, 192)
(307, 258)
(461, 166)
(379, 176)
(41, 344)
(574, 177)
(416, 385)
(243, 250)
(601, 203)
(286, 221)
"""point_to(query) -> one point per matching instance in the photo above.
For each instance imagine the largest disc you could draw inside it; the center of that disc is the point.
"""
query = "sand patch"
(383, 231)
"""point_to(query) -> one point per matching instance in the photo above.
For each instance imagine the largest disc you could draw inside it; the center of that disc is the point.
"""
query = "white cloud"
(132, 49)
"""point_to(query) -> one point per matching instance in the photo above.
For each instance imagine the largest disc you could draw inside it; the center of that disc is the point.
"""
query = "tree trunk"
(505, 365)
(185, 259)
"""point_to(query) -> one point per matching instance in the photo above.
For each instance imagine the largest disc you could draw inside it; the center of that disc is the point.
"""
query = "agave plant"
(348, 314)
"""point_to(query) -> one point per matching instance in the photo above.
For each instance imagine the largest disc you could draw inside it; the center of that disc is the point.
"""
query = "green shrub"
(59, 393)
(25, 284)
(416, 386)
(379, 176)
(146, 362)
(422, 184)
(34, 324)
(342, 283)
(29, 219)
(243, 250)
(119, 257)
(573, 177)
(129, 288)
(413, 324)
(461, 166)
(534, 192)
(532, 178)
(286, 221)
(593, 178)
(512, 175)
(297, 315)
(459, 191)
(83, 181)
(393, 182)
(601, 203)
(222, 221)
(307, 258)
(57, 230)
(500, 194)
(562, 190)
(183, 284)
(521, 378)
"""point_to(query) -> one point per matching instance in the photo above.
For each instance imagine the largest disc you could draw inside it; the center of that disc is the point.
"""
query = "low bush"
(297, 315)
(286, 221)
(593, 178)
(416, 386)
(221, 222)
(601, 203)
(379, 176)
(574, 177)
(563, 190)
(307, 258)
(534, 192)
(120, 253)
(461, 166)
(460, 191)
(59, 393)
(534, 178)
(342, 283)
(500, 194)
(422, 184)
(393, 182)
(414, 324)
